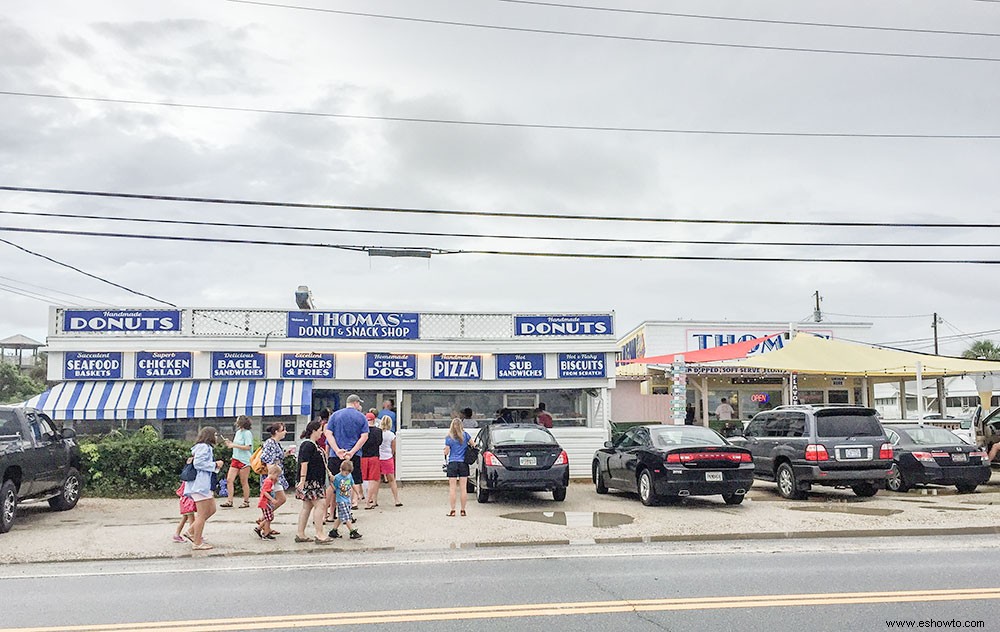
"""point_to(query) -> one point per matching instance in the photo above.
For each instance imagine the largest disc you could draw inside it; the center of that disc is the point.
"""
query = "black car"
(518, 456)
(927, 454)
(799, 446)
(667, 463)
(37, 462)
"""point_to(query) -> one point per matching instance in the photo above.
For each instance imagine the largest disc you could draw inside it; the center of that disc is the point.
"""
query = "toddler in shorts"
(343, 483)
(187, 515)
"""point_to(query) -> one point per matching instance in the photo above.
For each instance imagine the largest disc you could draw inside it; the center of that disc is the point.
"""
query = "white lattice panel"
(225, 322)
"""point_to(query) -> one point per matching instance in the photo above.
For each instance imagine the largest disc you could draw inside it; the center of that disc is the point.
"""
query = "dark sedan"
(927, 454)
(518, 456)
(670, 462)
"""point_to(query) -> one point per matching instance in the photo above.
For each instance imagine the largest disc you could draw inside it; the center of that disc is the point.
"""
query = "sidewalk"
(106, 529)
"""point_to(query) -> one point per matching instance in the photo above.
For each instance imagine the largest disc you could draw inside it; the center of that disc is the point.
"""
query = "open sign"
(760, 398)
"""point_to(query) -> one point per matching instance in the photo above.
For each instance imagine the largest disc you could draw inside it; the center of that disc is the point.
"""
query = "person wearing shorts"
(239, 465)
(346, 432)
(343, 484)
(371, 471)
(458, 470)
(188, 509)
(387, 458)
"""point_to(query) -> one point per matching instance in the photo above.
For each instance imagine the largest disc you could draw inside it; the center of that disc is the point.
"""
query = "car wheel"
(896, 482)
(559, 494)
(601, 488)
(8, 506)
(865, 490)
(787, 485)
(69, 493)
(966, 488)
(646, 492)
(733, 499)
(482, 494)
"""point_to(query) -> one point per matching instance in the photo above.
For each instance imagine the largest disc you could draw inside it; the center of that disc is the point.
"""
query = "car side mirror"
(608, 444)
(68, 433)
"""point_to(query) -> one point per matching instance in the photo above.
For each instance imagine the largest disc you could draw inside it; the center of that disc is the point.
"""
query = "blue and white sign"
(88, 365)
(520, 366)
(568, 325)
(390, 366)
(354, 325)
(582, 365)
(75, 320)
(457, 367)
(308, 365)
(238, 365)
(163, 365)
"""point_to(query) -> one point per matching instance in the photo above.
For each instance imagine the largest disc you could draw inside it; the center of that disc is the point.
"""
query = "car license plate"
(529, 460)
(960, 457)
(713, 476)
(852, 453)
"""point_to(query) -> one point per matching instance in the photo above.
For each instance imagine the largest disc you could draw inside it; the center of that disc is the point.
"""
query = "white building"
(179, 369)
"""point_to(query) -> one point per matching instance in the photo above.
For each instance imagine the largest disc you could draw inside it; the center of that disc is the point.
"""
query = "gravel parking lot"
(115, 529)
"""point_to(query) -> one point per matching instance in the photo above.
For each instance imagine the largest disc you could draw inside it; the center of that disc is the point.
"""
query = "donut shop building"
(180, 369)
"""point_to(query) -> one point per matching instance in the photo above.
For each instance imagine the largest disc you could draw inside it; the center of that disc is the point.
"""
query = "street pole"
(940, 381)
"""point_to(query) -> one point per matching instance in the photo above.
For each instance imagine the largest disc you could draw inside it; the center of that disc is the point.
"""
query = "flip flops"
(204, 546)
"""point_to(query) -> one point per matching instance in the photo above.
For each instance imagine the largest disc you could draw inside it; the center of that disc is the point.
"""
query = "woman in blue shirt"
(458, 470)
(200, 489)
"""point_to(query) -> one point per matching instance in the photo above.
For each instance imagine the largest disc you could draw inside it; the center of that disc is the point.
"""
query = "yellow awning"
(806, 353)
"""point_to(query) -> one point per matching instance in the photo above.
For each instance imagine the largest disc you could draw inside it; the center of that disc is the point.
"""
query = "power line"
(499, 124)
(501, 236)
(941, 338)
(605, 36)
(49, 289)
(35, 295)
(725, 18)
(494, 214)
(83, 272)
(868, 316)
(511, 253)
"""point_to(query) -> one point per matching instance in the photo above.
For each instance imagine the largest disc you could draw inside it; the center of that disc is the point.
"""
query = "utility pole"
(940, 381)
(817, 314)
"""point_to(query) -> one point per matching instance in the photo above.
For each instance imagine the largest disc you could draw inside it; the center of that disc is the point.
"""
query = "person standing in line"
(724, 412)
(346, 432)
(389, 410)
(467, 421)
(309, 488)
(241, 446)
(387, 458)
(272, 453)
(371, 471)
(689, 415)
(200, 489)
(458, 470)
(544, 418)
(342, 483)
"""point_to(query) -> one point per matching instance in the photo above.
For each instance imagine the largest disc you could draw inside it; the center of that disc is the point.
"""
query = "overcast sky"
(221, 53)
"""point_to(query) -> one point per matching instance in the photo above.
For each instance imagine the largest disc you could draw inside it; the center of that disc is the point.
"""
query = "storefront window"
(436, 409)
(838, 397)
(810, 397)
(758, 401)
(335, 400)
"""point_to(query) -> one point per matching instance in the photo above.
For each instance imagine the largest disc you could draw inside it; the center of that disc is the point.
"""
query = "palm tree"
(982, 349)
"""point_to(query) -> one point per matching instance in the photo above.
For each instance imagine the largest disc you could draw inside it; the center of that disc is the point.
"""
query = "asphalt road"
(823, 585)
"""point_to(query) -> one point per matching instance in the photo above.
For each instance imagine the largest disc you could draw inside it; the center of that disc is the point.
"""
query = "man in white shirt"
(724, 412)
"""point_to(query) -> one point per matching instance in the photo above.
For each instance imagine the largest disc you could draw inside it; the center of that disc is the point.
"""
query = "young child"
(344, 484)
(187, 515)
(266, 503)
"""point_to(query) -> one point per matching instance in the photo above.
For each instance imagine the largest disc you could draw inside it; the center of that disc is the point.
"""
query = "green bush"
(142, 465)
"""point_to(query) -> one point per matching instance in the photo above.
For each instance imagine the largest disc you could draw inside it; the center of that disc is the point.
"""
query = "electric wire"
(496, 236)
(49, 289)
(494, 214)
(83, 272)
(497, 124)
(508, 253)
(35, 295)
(986, 332)
(725, 18)
(883, 316)
(607, 36)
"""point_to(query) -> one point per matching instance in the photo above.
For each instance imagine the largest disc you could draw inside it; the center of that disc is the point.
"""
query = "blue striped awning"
(158, 399)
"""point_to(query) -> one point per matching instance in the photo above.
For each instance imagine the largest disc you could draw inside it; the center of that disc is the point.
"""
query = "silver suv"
(800, 446)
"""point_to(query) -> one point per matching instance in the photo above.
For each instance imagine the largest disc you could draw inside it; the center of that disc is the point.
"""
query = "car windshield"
(675, 436)
(505, 436)
(932, 436)
(848, 425)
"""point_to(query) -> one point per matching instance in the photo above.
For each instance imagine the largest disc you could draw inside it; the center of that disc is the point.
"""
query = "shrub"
(141, 465)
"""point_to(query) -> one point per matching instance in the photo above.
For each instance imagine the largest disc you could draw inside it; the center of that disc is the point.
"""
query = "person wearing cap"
(346, 433)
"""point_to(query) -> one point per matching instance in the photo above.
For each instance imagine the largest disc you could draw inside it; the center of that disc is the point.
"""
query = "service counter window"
(838, 396)
(436, 409)
(811, 397)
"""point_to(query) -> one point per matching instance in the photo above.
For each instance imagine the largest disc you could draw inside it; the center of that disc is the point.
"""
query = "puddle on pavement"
(862, 511)
(573, 518)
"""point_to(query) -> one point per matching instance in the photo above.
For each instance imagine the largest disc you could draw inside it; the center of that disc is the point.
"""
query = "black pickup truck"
(37, 462)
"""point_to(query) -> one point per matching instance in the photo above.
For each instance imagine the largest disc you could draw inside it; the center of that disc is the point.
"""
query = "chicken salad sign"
(354, 325)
